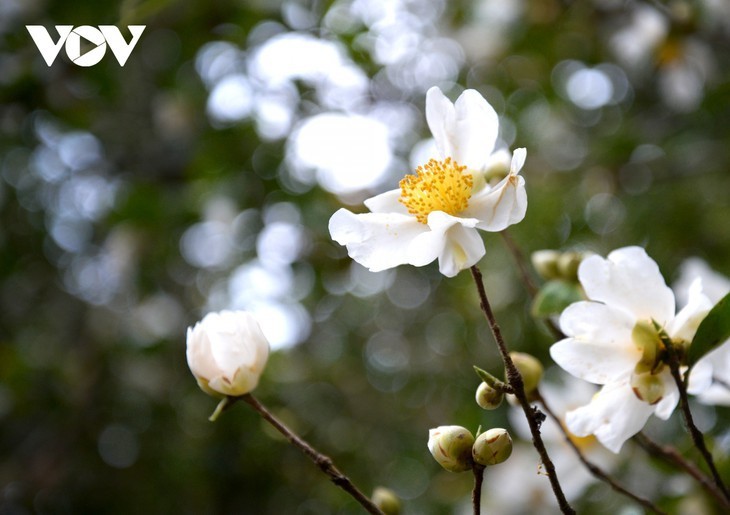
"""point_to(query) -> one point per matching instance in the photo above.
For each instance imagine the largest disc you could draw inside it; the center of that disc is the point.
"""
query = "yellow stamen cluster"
(437, 186)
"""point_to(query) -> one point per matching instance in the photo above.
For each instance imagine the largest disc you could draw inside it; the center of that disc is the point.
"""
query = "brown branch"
(533, 415)
(697, 437)
(672, 456)
(476, 493)
(324, 463)
(592, 467)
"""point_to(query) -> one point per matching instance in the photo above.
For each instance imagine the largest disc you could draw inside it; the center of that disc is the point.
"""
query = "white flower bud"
(227, 353)
(386, 500)
(488, 398)
(451, 447)
(568, 264)
(530, 369)
(492, 447)
(545, 263)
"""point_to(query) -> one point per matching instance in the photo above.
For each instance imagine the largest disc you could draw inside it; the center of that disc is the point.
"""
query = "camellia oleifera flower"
(436, 212)
(614, 339)
(227, 352)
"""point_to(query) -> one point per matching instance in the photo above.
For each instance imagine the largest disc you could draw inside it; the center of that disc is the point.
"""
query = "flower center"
(436, 186)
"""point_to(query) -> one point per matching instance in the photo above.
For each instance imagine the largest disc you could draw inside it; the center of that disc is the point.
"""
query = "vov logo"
(100, 38)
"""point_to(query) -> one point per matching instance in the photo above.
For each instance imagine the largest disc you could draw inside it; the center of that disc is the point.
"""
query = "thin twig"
(476, 493)
(674, 457)
(533, 415)
(694, 432)
(592, 467)
(324, 463)
(519, 258)
(521, 262)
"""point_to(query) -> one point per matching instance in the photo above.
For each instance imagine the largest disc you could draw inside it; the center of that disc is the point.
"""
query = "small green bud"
(492, 447)
(451, 447)
(530, 369)
(488, 398)
(545, 263)
(386, 500)
(568, 264)
(647, 387)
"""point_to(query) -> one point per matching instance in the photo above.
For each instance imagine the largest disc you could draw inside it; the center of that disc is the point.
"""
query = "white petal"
(200, 359)
(614, 415)
(700, 378)
(500, 207)
(518, 160)
(717, 394)
(440, 118)
(599, 347)
(475, 131)
(377, 241)
(664, 408)
(465, 131)
(628, 279)
(713, 367)
(387, 202)
(237, 342)
(452, 240)
(685, 324)
(714, 285)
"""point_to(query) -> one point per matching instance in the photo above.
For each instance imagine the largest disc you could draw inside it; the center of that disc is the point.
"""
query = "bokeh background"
(201, 176)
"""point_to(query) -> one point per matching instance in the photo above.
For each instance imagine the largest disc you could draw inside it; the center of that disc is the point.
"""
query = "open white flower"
(227, 352)
(435, 213)
(612, 342)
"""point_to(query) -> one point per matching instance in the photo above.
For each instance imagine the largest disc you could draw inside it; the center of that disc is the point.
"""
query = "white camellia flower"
(227, 352)
(435, 213)
(611, 341)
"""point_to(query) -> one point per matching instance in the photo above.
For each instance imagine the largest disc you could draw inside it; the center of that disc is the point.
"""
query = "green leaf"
(555, 296)
(713, 330)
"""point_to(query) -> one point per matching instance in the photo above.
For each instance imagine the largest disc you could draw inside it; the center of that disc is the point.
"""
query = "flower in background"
(227, 353)
(435, 213)
(710, 377)
(612, 341)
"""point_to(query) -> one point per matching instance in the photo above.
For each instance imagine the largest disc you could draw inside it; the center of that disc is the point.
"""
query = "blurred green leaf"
(554, 297)
(713, 330)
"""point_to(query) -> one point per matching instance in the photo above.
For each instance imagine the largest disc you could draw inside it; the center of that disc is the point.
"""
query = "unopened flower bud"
(386, 500)
(568, 263)
(530, 369)
(451, 447)
(227, 353)
(492, 447)
(488, 398)
(647, 387)
(545, 263)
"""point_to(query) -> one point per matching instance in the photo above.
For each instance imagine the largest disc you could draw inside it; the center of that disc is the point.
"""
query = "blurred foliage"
(109, 173)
